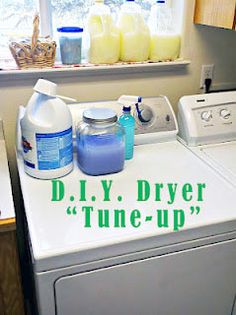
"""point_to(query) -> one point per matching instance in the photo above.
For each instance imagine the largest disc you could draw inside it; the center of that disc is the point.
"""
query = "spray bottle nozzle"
(129, 100)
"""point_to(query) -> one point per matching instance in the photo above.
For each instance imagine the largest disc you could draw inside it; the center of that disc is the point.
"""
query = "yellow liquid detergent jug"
(165, 47)
(135, 34)
(104, 36)
(165, 42)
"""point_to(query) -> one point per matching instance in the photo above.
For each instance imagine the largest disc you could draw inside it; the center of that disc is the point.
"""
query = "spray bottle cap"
(99, 1)
(126, 109)
(50, 89)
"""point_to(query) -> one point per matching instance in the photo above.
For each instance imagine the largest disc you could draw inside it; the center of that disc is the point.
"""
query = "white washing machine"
(136, 270)
(208, 127)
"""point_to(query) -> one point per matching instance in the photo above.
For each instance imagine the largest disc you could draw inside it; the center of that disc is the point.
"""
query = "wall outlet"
(207, 73)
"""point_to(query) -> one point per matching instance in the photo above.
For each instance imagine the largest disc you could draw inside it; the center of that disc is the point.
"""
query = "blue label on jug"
(54, 150)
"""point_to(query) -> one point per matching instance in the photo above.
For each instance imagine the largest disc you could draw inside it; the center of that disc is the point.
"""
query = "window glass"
(16, 20)
(69, 12)
(145, 4)
(74, 12)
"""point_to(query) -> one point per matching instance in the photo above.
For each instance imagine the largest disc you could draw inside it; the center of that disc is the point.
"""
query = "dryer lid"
(60, 240)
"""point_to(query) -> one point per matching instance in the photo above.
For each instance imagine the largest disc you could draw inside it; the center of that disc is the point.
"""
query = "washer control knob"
(206, 116)
(144, 114)
(225, 113)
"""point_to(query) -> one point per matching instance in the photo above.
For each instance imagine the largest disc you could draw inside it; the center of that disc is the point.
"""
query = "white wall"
(201, 44)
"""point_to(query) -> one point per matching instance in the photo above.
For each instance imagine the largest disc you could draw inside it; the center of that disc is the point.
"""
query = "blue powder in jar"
(70, 49)
(100, 154)
(70, 38)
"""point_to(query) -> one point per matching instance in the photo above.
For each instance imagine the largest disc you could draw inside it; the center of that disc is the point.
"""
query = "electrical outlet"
(207, 73)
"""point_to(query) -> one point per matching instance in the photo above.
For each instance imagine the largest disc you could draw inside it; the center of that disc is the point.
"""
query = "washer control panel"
(154, 117)
(215, 116)
(206, 119)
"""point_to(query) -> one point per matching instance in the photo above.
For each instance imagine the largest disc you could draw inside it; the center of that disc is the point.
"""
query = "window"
(15, 21)
(75, 11)
(16, 16)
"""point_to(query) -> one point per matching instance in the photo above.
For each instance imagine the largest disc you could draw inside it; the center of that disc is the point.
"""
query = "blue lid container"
(70, 38)
(70, 29)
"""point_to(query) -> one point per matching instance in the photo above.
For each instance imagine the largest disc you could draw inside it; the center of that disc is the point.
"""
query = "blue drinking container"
(70, 39)
(100, 142)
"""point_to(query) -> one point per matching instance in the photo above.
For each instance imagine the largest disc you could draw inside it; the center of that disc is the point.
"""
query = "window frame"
(170, 68)
(45, 13)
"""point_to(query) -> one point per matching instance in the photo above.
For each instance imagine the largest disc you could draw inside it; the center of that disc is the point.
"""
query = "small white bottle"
(46, 132)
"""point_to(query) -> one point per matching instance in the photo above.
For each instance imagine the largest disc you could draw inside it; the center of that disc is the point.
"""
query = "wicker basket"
(35, 54)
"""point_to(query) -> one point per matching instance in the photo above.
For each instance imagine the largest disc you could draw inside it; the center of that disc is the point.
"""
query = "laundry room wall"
(201, 45)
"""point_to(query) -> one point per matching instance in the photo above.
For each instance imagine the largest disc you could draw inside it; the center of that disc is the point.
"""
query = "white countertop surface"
(6, 200)
(61, 240)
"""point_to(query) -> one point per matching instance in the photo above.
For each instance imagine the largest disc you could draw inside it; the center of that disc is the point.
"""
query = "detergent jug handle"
(105, 24)
(20, 115)
(138, 26)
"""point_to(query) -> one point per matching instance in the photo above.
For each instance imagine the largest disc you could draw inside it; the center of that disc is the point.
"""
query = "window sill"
(84, 71)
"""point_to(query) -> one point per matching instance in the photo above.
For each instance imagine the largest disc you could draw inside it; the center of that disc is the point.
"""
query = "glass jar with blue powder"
(100, 142)
(70, 39)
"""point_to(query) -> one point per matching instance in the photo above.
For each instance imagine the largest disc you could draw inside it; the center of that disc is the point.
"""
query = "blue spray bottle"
(128, 122)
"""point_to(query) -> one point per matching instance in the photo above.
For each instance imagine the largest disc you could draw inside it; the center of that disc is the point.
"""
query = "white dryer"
(135, 270)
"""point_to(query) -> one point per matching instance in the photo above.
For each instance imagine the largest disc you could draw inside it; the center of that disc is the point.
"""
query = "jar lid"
(99, 115)
(70, 29)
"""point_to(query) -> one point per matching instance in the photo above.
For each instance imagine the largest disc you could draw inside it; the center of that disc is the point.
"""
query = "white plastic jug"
(46, 134)
(104, 35)
(165, 42)
(135, 35)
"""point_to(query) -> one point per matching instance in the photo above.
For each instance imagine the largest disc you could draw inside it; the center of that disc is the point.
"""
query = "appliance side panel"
(44, 285)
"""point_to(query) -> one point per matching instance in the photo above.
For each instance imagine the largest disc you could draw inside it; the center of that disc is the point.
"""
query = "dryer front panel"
(197, 281)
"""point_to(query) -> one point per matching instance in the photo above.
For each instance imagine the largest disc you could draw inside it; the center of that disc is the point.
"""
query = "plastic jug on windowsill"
(135, 35)
(165, 42)
(104, 35)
